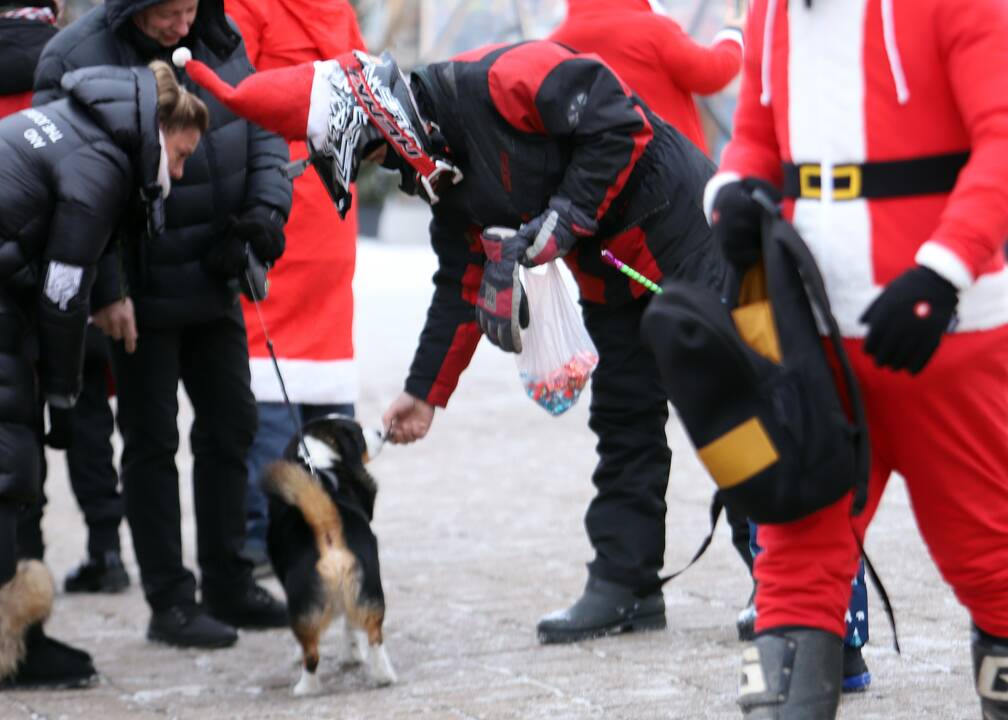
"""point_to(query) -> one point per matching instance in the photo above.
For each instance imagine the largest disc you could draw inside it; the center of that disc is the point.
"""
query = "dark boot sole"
(111, 588)
(643, 623)
(161, 639)
(79, 683)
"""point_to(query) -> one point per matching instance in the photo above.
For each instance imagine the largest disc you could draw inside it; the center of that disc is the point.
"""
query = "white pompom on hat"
(277, 100)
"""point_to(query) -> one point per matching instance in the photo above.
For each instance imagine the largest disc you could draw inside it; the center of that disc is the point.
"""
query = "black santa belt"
(882, 179)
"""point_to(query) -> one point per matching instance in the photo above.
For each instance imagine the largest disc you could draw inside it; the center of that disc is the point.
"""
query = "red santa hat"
(276, 100)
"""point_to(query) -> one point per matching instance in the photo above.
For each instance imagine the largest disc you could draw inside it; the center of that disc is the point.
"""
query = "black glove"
(736, 220)
(554, 232)
(61, 424)
(906, 322)
(502, 307)
(227, 257)
(263, 229)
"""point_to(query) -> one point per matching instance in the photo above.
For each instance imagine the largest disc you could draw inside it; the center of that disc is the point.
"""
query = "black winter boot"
(990, 670)
(29, 659)
(604, 608)
(250, 607)
(791, 675)
(189, 625)
(50, 664)
(104, 574)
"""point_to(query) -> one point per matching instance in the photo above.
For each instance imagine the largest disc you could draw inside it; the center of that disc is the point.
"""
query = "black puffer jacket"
(236, 166)
(67, 171)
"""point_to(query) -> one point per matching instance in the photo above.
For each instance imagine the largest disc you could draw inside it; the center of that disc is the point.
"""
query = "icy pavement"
(480, 530)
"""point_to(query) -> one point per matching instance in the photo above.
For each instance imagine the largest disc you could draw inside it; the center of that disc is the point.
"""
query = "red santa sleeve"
(753, 150)
(696, 68)
(974, 226)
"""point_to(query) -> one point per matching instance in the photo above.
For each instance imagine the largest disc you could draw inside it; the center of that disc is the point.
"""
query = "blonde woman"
(71, 172)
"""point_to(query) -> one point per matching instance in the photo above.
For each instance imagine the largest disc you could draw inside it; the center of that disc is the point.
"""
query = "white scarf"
(163, 177)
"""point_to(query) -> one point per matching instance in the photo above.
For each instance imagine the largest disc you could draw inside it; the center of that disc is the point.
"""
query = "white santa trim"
(730, 33)
(944, 262)
(308, 381)
(320, 106)
(714, 185)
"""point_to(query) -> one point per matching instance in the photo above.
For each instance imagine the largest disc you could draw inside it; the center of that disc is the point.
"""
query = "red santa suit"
(831, 95)
(654, 56)
(309, 309)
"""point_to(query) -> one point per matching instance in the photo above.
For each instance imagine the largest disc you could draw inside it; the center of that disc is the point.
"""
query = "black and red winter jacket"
(21, 43)
(531, 121)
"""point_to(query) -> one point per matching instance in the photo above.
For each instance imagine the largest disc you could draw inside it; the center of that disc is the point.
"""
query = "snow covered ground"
(480, 530)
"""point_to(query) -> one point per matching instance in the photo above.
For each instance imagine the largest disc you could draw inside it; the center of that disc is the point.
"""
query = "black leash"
(306, 455)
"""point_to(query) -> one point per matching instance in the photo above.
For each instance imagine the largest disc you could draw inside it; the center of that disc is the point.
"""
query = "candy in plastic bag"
(557, 355)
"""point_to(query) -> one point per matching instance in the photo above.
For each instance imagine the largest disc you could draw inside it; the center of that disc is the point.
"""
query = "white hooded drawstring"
(891, 48)
(768, 27)
(892, 52)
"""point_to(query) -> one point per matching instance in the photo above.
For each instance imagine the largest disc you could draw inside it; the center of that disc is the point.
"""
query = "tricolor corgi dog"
(321, 545)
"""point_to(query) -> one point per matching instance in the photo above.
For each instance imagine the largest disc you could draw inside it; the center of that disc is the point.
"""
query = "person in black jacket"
(540, 139)
(173, 314)
(25, 28)
(69, 177)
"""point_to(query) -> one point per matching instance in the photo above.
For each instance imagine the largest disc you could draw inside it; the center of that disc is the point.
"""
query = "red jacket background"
(654, 56)
(309, 310)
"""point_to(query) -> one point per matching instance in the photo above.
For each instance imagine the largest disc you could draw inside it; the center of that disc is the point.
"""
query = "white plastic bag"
(557, 356)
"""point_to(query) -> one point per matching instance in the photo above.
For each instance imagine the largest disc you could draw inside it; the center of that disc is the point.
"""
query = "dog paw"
(380, 667)
(308, 684)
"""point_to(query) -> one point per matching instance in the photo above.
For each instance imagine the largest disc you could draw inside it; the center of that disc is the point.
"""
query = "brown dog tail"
(294, 485)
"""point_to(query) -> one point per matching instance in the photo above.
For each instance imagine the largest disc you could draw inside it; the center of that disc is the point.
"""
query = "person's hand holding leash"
(736, 221)
(502, 308)
(263, 229)
(118, 321)
(407, 419)
(906, 322)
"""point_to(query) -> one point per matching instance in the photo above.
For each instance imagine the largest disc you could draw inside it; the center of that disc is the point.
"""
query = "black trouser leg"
(740, 536)
(30, 542)
(147, 387)
(8, 541)
(93, 476)
(626, 519)
(215, 372)
(22, 460)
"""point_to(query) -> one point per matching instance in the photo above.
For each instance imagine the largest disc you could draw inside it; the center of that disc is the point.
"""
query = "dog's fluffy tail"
(294, 485)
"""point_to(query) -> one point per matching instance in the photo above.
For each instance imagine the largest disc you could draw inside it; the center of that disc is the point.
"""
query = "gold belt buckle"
(810, 181)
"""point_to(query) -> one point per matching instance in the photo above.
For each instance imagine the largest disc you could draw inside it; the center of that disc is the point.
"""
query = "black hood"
(123, 102)
(211, 24)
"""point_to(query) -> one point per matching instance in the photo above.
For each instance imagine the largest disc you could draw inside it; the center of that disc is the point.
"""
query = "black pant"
(93, 476)
(626, 519)
(8, 541)
(211, 360)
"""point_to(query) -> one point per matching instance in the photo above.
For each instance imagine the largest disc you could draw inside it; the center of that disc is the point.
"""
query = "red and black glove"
(502, 308)
(736, 221)
(554, 232)
(906, 322)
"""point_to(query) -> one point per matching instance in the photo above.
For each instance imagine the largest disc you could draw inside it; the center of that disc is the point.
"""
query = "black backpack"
(752, 384)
